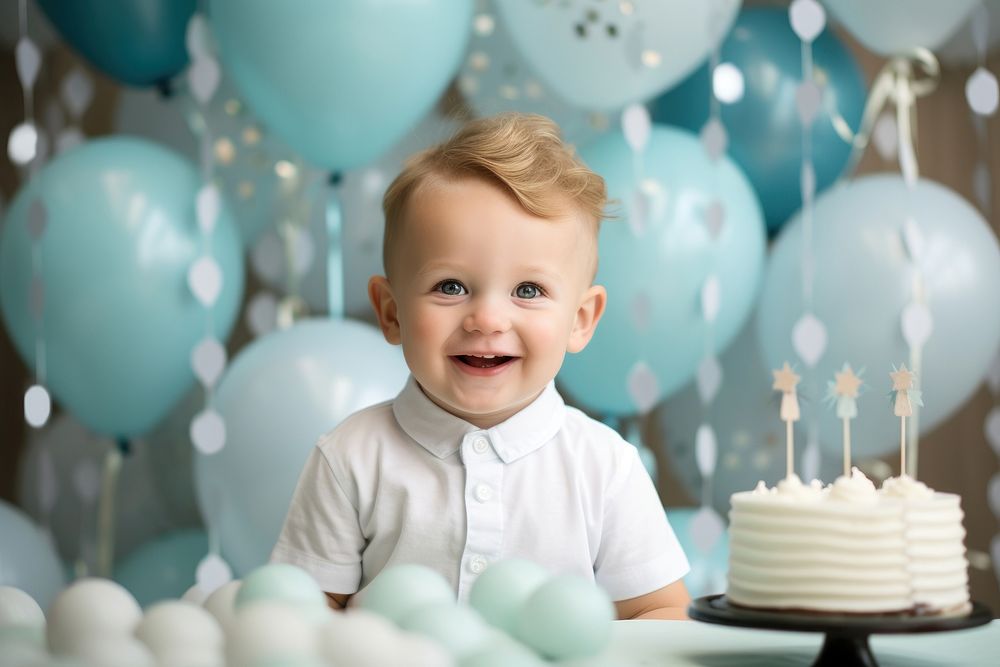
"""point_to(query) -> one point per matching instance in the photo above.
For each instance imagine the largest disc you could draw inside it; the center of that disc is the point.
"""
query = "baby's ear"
(587, 316)
(384, 303)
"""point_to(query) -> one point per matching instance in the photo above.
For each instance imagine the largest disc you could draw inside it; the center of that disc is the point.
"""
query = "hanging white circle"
(208, 432)
(262, 314)
(268, 258)
(205, 280)
(212, 573)
(636, 125)
(727, 83)
(643, 387)
(809, 339)
(208, 360)
(706, 450)
(808, 19)
(22, 146)
(714, 138)
(982, 92)
(37, 406)
(208, 204)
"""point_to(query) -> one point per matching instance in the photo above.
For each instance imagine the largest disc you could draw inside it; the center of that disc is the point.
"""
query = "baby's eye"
(450, 288)
(528, 291)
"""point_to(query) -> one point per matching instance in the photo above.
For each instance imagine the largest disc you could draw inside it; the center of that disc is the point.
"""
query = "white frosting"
(905, 486)
(847, 548)
(854, 489)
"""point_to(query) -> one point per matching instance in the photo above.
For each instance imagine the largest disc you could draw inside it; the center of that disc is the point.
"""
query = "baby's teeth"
(488, 356)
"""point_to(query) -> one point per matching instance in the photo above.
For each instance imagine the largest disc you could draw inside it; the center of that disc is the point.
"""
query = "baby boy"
(490, 254)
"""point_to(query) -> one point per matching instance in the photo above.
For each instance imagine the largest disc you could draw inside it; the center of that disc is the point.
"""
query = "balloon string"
(901, 81)
(106, 507)
(334, 249)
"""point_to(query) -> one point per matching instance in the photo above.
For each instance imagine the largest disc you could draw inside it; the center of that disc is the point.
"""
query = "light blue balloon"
(138, 42)
(340, 82)
(164, 568)
(119, 319)
(459, 628)
(749, 433)
(399, 590)
(763, 126)
(708, 571)
(863, 283)
(27, 558)
(654, 272)
(279, 395)
(284, 583)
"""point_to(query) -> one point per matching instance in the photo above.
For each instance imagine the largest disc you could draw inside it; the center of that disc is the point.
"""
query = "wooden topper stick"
(844, 391)
(904, 397)
(785, 381)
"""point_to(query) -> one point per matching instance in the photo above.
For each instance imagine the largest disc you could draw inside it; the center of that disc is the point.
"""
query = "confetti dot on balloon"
(208, 359)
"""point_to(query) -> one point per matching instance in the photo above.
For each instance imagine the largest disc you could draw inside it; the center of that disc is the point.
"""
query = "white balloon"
(892, 27)
(172, 625)
(269, 630)
(91, 609)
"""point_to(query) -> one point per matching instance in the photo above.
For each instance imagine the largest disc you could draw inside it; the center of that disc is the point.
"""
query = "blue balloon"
(278, 396)
(27, 558)
(863, 284)
(163, 568)
(119, 321)
(654, 265)
(138, 42)
(708, 571)
(765, 134)
(340, 82)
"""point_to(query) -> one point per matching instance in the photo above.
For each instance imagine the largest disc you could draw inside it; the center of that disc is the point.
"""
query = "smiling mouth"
(483, 362)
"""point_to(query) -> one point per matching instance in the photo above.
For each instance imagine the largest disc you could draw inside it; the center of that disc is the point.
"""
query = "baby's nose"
(487, 316)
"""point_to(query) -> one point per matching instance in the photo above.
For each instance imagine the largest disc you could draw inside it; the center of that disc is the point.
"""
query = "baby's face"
(486, 298)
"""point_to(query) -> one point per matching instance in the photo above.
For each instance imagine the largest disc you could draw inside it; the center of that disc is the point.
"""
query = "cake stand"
(846, 643)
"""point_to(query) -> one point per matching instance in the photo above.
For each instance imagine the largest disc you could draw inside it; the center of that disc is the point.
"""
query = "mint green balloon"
(399, 590)
(568, 617)
(503, 588)
(120, 321)
(281, 582)
(341, 82)
(460, 629)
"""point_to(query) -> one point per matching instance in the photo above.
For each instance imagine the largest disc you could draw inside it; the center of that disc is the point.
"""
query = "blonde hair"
(522, 153)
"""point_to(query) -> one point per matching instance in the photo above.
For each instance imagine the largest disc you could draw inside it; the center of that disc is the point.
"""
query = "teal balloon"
(654, 267)
(278, 396)
(28, 560)
(459, 628)
(341, 82)
(567, 617)
(765, 133)
(119, 319)
(863, 284)
(284, 583)
(137, 42)
(163, 568)
(399, 590)
(503, 588)
(708, 570)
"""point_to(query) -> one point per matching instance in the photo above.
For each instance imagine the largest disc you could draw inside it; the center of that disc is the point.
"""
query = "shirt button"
(483, 493)
(478, 564)
(480, 445)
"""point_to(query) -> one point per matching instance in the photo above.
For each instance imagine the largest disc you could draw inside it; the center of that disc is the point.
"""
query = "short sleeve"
(638, 552)
(321, 533)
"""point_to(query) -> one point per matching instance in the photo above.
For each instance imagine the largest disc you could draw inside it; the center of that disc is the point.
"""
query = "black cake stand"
(846, 643)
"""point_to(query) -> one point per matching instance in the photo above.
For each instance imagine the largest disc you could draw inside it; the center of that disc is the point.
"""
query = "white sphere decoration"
(727, 83)
(171, 626)
(120, 651)
(17, 608)
(422, 652)
(91, 609)
(195, 595)
(269, 631)
(222, 603)
(360, 638)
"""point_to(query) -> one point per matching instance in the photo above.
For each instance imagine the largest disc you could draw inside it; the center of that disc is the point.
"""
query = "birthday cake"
(847, 548)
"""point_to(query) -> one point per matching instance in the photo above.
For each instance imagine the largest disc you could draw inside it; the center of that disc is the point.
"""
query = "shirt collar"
(442, 433)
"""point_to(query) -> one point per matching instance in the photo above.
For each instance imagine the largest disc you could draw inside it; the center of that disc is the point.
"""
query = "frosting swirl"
(905, 486)
(854, 489)
(792, 486)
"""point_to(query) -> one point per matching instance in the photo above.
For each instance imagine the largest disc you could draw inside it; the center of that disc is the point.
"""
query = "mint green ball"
(280, 582)
(400, 589)
(567, 617)
(502, 590)
(461, 630)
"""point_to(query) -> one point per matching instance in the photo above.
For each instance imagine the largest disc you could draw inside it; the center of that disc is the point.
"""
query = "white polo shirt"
(407, 482)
